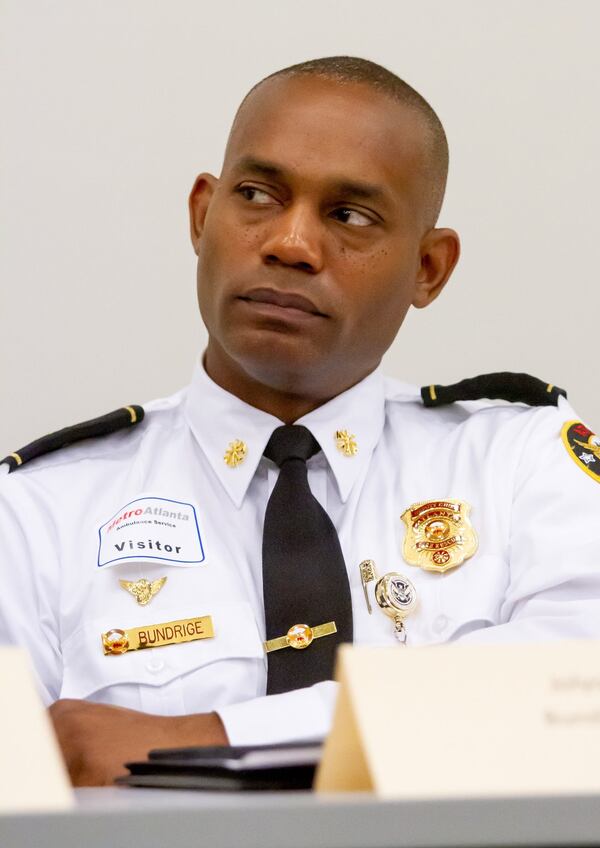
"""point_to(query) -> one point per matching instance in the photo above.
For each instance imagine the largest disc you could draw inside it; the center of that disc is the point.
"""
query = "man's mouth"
(281, 303)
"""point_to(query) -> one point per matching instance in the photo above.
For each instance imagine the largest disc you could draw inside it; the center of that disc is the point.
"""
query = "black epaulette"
(516, 388)
(126, 416)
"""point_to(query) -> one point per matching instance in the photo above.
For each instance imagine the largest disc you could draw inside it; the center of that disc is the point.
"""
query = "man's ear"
(440, 250)
(200, 198)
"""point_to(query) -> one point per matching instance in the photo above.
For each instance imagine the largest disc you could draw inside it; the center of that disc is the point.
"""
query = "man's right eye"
(255, 195)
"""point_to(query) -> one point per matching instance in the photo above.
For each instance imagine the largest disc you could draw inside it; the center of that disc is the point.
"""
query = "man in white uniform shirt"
(312, 245)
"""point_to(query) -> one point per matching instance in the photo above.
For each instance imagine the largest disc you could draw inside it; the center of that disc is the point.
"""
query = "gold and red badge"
(439, 534)
(583, 447)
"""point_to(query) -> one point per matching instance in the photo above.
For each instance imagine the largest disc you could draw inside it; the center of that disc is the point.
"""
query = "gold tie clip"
(300, 636)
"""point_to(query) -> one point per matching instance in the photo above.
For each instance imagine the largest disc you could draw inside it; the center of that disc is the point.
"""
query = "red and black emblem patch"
(583, 446)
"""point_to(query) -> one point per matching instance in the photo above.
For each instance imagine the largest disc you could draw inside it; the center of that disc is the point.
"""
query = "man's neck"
(288, 406)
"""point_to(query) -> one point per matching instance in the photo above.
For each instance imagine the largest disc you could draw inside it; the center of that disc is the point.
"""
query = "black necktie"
(304, 575)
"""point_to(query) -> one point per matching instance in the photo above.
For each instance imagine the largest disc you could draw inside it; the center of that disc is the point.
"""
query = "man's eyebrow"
(259, 166)
(363, 191)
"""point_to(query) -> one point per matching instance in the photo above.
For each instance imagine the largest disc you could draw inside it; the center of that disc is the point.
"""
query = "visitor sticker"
(152, 528)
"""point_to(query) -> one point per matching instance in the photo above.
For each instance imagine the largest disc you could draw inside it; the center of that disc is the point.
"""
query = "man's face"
(310, 243)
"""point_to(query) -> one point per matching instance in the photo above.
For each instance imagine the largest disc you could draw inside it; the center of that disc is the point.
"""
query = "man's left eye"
(352, 217)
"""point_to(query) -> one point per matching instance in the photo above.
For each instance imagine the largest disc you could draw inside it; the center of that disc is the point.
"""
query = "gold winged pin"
(143, 590)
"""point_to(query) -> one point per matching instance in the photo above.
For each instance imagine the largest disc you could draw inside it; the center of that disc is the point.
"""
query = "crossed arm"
(96, 740)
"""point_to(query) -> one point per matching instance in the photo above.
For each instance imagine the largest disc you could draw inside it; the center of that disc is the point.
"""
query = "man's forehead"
(319, 120)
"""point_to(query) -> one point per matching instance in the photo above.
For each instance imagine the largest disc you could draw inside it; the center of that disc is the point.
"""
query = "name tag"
(119, 641)
(152, 528)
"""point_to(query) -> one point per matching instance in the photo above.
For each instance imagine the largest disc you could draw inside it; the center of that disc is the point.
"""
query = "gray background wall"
(109, 109)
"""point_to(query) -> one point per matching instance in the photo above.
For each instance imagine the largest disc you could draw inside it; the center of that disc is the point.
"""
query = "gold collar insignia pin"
(345, 442)
(395, 595)
(235, 453)
(439, 534)
(143, 590)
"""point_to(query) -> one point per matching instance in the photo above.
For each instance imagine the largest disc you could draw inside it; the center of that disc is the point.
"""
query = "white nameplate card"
(466, 721)
(32, 774)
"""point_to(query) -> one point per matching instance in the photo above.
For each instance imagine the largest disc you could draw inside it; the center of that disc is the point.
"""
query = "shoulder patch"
(126, 416)
(583, 447)
(516, 388)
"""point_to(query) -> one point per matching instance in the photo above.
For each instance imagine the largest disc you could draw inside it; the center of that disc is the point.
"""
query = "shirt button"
(441, 623)
(154, 666)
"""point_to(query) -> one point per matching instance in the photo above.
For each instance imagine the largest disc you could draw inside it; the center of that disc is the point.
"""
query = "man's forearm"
(96, 740)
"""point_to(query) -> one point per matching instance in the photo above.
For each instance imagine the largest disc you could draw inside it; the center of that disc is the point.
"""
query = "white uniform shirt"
(535, 576)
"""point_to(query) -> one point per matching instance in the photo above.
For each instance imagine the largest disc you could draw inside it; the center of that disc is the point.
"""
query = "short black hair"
(352, 69)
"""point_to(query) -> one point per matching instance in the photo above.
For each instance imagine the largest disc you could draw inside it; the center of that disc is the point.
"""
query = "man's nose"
(294, 239)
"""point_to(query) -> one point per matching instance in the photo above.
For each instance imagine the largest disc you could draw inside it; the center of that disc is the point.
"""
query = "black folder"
(264, 767)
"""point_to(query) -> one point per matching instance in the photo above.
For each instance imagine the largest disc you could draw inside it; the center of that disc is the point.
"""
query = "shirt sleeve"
(554, 543)
(29, 593)
(304, 715)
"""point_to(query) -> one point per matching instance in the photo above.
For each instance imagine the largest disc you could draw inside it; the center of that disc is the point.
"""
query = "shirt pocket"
(189, 677)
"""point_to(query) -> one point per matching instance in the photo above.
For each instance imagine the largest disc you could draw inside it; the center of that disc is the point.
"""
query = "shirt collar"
(360, 412)
(218, 418)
